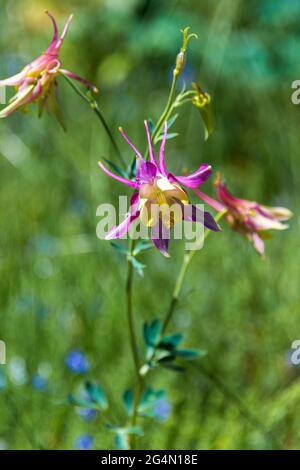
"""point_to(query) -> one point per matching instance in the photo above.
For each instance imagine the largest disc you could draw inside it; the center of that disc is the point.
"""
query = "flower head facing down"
(37, 81)
(159, 199)
(249, 218)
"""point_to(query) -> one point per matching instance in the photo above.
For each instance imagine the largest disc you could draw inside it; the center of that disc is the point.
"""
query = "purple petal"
(151, 151)
(133, 184)
(197, 178)
(131, 144)
(258, 243)
(162, 165)
(145, 172)
(55, 34)
(122, 229)
(209, 200)
(62, 37)
(192, 213)
(79, 79)
(160, 236)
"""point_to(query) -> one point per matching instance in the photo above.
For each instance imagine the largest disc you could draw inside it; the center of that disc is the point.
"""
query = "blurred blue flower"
(39, 382)
(84, 442)
(162, 409)
(87, 414)
(77, 362)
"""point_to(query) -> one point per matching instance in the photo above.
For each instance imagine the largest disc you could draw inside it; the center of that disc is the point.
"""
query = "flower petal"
(209, 200)
(258, 243)
(120, 230)
(150, 146)
(160, 236)
(62, 37)
(145, 171)
(79, 79)
(55, 33)
(15, 80)
(197, 178)
(131, 144)
(192, 213)
(19, 100)
(162, 165)
(133, 184)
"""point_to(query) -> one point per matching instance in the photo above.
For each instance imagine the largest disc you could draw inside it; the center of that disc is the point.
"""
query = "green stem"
(129, 281)
(94, 106)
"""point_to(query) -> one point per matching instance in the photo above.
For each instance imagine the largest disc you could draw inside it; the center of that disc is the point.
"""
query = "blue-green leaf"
(96, 394)
(190, 353)
(170, 341)
(138, 266)
(152, 332)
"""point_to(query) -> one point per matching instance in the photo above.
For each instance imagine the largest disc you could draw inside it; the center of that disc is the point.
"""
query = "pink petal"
(79, 79)
(131, 144)
(209, 200)
(133, 184)
(197, 178)
(151, 151)
(55, 34)
(62, 37)
(162, 165)
(258, 243)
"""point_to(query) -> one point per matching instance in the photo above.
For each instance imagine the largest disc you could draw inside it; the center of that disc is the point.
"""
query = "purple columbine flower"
(156, 192)
(37, 81)
(77, 362)
(249, 218)
(84, 442)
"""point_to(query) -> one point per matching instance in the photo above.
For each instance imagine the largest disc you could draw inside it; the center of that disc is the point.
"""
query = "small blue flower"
(77, 362)
(84, 442)
(87, 414)
(39, 382)
(162, 409)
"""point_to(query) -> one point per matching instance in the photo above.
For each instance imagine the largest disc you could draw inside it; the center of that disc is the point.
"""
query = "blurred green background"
(62, 289)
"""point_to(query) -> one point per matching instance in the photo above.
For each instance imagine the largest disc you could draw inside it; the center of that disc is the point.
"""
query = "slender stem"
(94, 106)
(132, 336)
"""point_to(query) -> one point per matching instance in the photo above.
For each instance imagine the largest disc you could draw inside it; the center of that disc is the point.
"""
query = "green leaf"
(138, 266)
(170, 341)
(151, 125)
(128, 401)
(172, 120)
(142, 246)
(152, 333)
(97, 394)
(81, 403)
(208, 121)
(173, 367)
(120, 248)
(170, 136)
(190, 353)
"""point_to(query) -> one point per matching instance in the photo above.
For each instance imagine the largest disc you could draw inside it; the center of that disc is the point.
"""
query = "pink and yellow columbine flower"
(157, 193)
(250, 219)
(37, 80)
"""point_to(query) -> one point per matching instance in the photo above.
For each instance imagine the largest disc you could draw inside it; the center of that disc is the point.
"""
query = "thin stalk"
(94, 106)
(132, 336)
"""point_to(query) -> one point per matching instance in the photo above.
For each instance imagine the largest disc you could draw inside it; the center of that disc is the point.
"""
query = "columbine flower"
(37, 81)
(157, 194)
(249, 218)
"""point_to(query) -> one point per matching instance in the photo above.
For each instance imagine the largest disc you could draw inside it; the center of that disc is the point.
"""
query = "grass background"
(62, 288)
